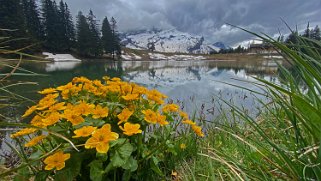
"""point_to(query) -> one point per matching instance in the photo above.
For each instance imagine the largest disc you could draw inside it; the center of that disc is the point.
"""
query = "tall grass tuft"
(283, 142)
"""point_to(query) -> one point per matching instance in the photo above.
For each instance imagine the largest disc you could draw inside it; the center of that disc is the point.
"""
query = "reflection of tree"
(152, 73)
(195, 72)
(115, 69)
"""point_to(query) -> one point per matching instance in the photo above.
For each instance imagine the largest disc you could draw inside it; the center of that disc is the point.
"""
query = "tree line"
(313, 33)
(291, 41)
(50, 27)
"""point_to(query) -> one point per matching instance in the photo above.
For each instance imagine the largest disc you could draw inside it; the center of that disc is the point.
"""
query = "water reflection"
(197, 85)
(58, 66)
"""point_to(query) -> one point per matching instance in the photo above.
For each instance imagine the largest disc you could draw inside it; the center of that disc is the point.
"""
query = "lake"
(195, 85)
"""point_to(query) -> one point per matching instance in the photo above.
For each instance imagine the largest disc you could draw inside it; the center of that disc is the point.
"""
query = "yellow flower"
(161, 119)
(170, 108)
(48, 91)
(84, 131)
(75, 89)
(65, 87)
(116, 79)
(80, 80)
(37, 121)
(124, 115)
(130, 97)
(58, 107)
(51, 119)
(98, 83)
(89, 87)
(23, 132)
(130, 129)
(198, 130)
(47, 101)
(100, 112)
(29, 111)
(56, 160)
(190, 122)
(182, 146)
(184, 115)
(138, 89)
(35, 141)
(65, 94)
(100, 139)
(113, 88)
(74, 117)
(126, 88)
(150, 116)
(84, 109)
(105, 78)
(157, 97)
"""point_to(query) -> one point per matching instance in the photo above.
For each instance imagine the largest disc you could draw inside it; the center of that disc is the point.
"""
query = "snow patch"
(60, 57)
(131, 56)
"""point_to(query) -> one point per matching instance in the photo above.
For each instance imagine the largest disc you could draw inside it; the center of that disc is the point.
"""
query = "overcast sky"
(206, 17)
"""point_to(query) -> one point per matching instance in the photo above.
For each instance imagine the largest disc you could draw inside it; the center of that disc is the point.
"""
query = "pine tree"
(51, 25)
(83, 35)
(70, 29)
(96, 48)
(107, 36)
(307, 32)
(316, 33)
(62, 24)
(292, 38)
(32, 20)
(116, 41)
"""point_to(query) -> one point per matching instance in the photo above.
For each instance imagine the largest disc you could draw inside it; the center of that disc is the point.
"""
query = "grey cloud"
(206, 17)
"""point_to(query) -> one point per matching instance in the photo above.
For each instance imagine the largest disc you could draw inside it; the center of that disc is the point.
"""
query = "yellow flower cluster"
(98, 112)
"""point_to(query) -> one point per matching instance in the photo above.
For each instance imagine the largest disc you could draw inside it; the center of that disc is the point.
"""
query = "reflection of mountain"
(217, 73)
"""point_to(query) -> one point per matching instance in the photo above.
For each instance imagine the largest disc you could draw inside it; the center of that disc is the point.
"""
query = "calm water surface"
(195, 85)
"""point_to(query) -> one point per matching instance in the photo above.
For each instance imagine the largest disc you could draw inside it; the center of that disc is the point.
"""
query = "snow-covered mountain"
(168, 41)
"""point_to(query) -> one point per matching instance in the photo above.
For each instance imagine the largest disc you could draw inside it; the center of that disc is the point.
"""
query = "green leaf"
(117, 160)
(22, 174)
(72, 168)
(119, 141)
(122, 154)
(64, 175)
(93, 122)
(131, 164)
(96, 170)
(41, 176)
(126, 175)
(154, 166)
(102, 156)
(35, 155)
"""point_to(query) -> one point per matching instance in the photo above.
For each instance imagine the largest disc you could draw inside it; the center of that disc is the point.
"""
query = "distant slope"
(172, 41)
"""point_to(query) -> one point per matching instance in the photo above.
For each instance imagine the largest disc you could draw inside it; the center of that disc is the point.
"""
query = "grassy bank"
(283, 142)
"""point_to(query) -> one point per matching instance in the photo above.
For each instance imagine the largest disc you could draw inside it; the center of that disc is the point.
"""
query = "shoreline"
(144, 55)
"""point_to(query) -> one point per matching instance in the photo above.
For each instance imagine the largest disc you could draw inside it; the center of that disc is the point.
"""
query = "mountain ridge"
(169, 41)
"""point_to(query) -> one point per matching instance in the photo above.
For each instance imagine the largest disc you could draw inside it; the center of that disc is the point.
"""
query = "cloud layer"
(206, 17)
